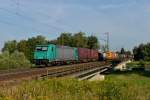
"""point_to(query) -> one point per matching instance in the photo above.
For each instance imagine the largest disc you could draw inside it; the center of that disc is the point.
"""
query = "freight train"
(56, 54)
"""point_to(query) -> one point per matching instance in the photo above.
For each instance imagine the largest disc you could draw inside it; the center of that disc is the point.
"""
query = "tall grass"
(115, 87)
(62, 89)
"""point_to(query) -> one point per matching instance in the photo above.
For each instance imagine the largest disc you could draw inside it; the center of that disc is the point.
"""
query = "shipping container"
(83, 54)
(65, 53)
(94, 55)
(87, 54)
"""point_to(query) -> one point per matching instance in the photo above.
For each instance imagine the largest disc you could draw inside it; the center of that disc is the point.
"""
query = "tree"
(10, 46)
(128, 53)
(80, 40)
(52, 42)
(18, 60)
(77, 40)
(22, 46)
(28, 46)
(93, 42)
(147, 52)
(142, 52)
(65, 39)
(122, 51)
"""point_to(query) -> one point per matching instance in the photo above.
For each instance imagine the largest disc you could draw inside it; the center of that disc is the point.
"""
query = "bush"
(13, 61)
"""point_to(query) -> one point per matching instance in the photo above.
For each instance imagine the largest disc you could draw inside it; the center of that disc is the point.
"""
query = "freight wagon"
(83, 54)
(86, 55)
(53, 54)
(113, 56)
(94, 55)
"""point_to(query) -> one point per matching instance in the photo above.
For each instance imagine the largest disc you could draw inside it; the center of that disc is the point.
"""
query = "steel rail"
(49, 72)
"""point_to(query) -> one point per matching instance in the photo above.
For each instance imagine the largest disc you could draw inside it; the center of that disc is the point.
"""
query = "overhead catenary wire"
(20, 13)
(17, 6)
(56, 21)
(29, 19)
(23, 13)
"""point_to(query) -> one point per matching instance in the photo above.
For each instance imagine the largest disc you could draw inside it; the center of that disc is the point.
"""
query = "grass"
(137, 78)
(139, 64)
(138, 84)
(117, 86)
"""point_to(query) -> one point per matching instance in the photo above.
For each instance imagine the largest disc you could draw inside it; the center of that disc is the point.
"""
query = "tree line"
(77, 40)
(27, 47)
(123, 51)
(142, 52)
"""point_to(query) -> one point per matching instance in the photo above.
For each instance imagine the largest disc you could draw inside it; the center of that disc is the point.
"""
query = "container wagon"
(94, 55)
(83, 54)
(86, 55)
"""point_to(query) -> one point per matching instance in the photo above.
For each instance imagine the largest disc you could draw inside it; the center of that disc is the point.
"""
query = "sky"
(127, 21)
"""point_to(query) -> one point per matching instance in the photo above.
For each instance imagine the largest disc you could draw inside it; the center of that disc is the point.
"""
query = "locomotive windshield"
(42, 48)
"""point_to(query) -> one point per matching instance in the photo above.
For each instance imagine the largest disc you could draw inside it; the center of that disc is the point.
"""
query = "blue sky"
(127, 21)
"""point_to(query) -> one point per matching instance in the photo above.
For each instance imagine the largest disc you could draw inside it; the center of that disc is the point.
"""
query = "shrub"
(13, 61)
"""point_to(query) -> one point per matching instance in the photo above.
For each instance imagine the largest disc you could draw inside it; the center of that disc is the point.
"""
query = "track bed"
(57, 71)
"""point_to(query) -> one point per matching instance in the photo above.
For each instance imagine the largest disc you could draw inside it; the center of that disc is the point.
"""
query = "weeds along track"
(57, 71)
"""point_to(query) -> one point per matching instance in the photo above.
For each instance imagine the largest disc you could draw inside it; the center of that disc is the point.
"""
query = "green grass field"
(117, 86)
(139, 64)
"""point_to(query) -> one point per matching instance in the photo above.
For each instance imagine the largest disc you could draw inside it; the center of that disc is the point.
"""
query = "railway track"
(49, 72)
(73, 69)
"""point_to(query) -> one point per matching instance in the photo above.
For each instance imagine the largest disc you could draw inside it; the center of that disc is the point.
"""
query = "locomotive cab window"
(41, 48)
(38, 48)
(44, 48)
